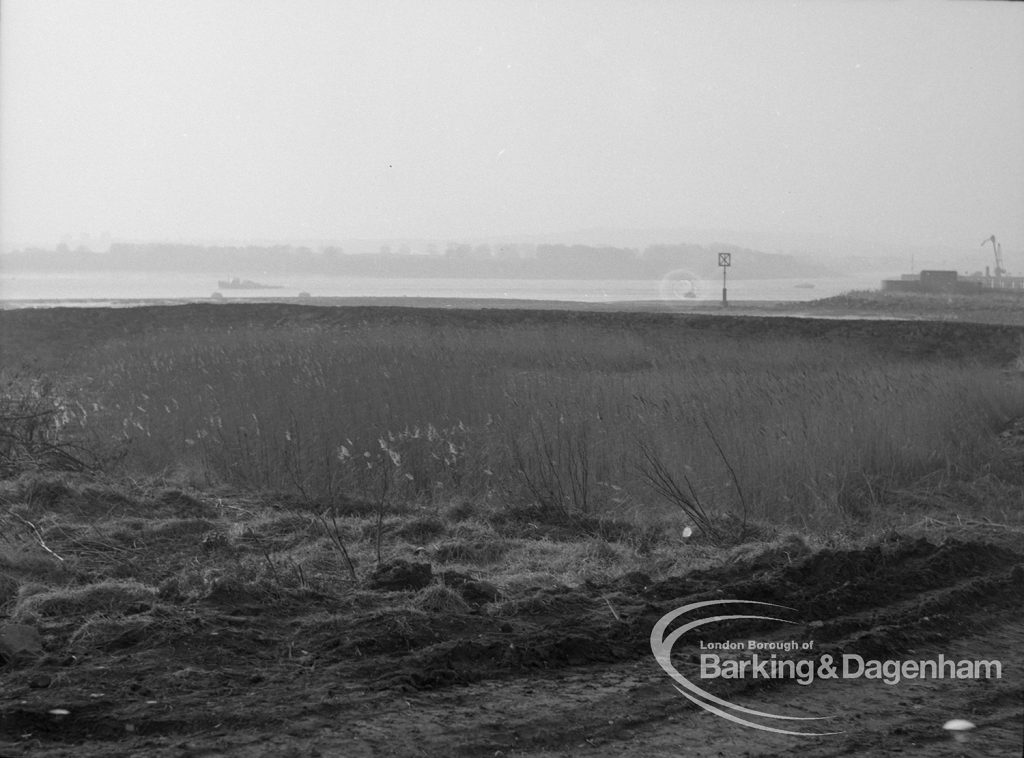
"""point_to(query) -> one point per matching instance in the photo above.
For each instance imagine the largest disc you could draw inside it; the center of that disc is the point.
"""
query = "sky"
(245, 120)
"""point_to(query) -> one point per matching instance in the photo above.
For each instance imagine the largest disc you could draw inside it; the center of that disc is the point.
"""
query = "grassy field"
(235, 528)
(596, 414)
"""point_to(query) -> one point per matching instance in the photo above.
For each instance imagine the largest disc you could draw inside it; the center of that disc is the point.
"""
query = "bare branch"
(38, 535)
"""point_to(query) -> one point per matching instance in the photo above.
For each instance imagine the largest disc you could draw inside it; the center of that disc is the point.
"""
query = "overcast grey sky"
(320, 119)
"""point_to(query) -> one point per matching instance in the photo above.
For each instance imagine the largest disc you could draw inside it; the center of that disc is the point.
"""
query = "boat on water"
(245, 284)
(804, 286)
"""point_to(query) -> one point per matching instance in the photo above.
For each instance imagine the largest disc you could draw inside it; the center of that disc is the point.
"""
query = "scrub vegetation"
(288, 502)
(588, 416)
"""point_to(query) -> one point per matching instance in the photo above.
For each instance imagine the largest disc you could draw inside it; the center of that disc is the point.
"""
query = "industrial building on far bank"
(952, 282)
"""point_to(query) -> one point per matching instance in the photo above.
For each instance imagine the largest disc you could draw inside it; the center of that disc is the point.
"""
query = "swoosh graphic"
(661, 646)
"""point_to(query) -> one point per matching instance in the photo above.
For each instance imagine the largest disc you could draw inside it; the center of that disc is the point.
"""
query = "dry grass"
(555, 414)
(479, 552)
(421, 530)
(106, 597)
(104, 632)
(440, 599)
(8, 589)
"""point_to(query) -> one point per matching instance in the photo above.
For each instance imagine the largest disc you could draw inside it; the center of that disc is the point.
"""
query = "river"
(19, 289)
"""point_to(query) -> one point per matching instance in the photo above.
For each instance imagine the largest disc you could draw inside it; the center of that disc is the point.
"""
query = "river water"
(34, 289)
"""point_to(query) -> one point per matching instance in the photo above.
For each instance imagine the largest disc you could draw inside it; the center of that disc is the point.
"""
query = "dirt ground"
(570, 673)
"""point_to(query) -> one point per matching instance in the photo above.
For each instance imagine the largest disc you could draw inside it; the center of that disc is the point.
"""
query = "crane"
(998, 250)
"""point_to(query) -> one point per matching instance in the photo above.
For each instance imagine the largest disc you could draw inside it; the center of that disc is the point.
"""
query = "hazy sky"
(320, 119)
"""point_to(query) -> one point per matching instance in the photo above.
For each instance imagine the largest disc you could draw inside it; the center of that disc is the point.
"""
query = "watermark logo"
(781, 660)
(661, 646)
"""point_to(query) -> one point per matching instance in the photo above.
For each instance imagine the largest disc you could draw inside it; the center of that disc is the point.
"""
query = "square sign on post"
(724, 260)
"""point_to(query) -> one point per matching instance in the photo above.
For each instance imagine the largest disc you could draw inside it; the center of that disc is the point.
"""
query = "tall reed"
(553, 413)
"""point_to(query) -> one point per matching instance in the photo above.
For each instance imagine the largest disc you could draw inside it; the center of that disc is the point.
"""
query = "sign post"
(724, 260)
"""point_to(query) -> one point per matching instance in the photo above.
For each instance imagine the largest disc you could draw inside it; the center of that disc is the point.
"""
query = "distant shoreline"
(756, 308)
(401, 301)
(866, 306)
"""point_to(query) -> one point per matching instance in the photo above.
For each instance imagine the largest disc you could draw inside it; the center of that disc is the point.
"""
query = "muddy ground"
(570, 672)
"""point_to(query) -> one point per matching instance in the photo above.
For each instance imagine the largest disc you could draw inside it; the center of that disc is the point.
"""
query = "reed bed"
(568, 415)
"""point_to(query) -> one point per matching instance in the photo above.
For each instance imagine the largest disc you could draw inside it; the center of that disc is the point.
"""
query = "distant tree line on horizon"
(520, 261)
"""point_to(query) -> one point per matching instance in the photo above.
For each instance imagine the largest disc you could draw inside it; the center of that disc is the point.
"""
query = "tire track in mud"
(630, 709)
(560, 674)
(883, 599)
(898, 600)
